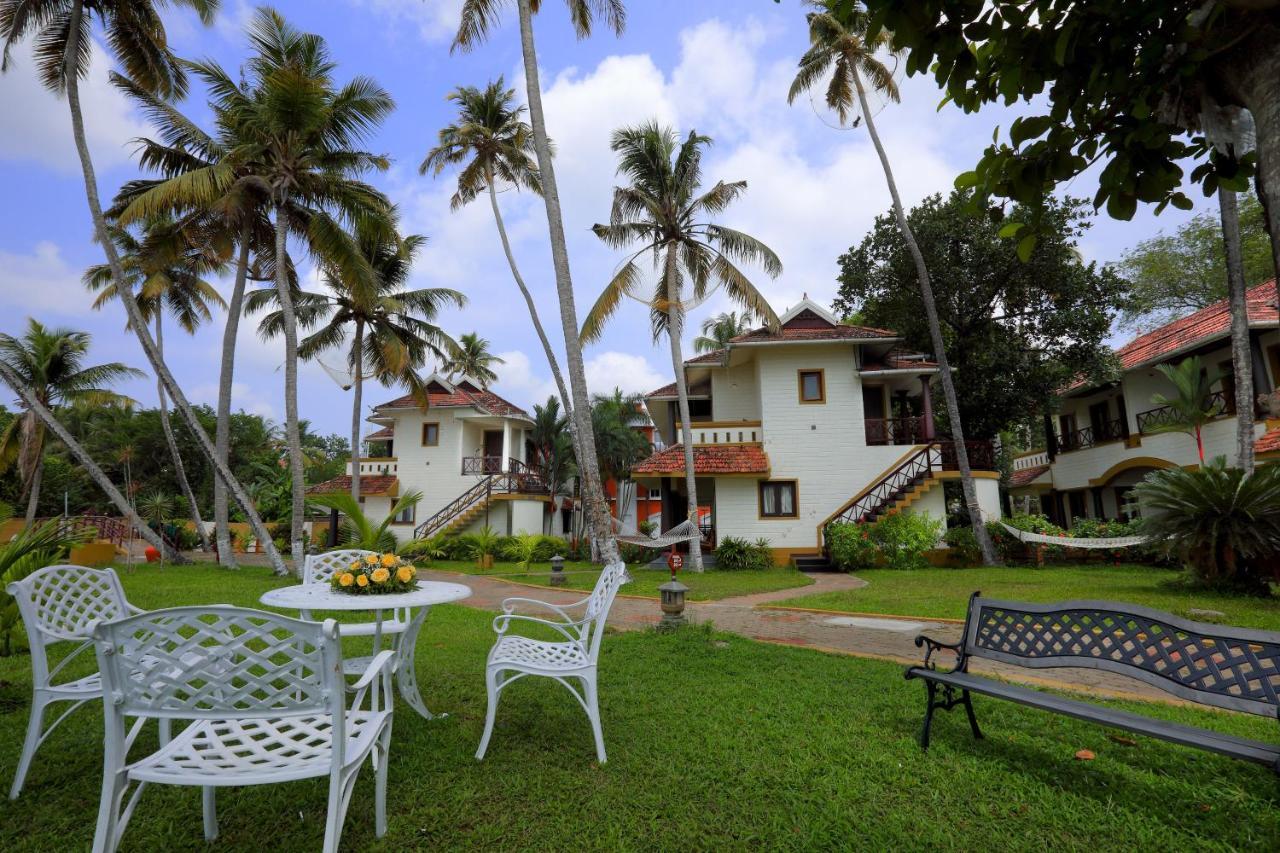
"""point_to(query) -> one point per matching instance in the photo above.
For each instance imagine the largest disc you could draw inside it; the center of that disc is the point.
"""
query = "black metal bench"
(1233, 668)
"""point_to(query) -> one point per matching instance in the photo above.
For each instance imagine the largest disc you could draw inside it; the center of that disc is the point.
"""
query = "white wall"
(735, 393)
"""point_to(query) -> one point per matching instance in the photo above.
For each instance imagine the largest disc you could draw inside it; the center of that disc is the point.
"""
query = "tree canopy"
(1015, 331)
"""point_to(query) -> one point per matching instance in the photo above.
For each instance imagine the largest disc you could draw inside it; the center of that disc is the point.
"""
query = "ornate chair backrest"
(598, 605)
(320, 568)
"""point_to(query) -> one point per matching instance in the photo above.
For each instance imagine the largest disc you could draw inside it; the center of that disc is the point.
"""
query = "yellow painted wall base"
(92, 554)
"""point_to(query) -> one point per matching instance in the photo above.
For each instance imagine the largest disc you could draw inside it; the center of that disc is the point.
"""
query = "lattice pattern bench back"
(63, 602)
(1216, 665)
(320, 568)
(221, 663)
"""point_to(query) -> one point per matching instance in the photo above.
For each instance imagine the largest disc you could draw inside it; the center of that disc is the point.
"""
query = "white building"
(819, 422)
(1103, 438)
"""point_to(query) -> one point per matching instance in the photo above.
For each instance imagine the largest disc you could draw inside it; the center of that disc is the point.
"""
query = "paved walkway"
(880, 638)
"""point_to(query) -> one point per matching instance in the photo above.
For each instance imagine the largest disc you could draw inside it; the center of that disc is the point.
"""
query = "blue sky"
(720, 66)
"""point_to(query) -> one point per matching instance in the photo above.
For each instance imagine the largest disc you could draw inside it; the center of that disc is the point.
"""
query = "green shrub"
(735, 554)
(521, 548)
(423, 551)
(550, 546)
(904, 538)
(1013, 550)
(964, 546)
(851, 546)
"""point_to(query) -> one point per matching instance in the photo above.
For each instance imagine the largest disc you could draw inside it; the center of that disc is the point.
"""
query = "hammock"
(344, 378)
(685, 531)
(1069, 542)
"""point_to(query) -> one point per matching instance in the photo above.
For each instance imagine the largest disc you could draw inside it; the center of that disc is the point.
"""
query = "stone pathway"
(879, 638)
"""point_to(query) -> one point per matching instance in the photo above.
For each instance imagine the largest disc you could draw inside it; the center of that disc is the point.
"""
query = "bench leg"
(932, 690)
(973, 721)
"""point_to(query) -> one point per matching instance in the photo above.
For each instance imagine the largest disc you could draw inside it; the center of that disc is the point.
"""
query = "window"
(778, 499)
(813, 387)
(430, 434)
(404, 516)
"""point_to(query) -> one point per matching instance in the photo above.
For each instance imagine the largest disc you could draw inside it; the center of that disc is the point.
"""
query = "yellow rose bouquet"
(376, 574)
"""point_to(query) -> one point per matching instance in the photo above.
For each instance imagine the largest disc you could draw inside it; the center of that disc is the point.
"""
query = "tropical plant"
(619, 443)
(478, 17)
(1189, 407)
(845, 47)
(168, 273)
(735, 554)
(664, 213)
(481, 546)
(358, 530)
(425, 550)
(156, 508)
(32, 548)
(851, 546)
(392, 326)
(717, 331)
(473, 360)
(135, 33)
(553, 455)
(1224, 524)
(50, 362)
(523, 549)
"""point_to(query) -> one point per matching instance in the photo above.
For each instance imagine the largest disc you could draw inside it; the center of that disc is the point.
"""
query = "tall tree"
(392, 326)
(843, 49)
(665, 213)
(1017, 331)
(717, 331)
(472, 359)
(478, 18)
(553, 449)
(49, 363)
(615, 418)
(168, 273)
(135, 32)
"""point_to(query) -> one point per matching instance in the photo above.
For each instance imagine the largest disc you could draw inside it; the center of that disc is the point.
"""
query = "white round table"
(322, 596)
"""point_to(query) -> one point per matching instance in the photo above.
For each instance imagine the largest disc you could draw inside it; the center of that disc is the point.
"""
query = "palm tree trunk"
(102, 234)
(675, 329)
(33, 491)
(357, 360)
(31, 462)
(86, 462)
(293, 434)
(222, 437)
(1241, 357)
(179, 470)
(552, 362)
(989, 556)
(588, 465)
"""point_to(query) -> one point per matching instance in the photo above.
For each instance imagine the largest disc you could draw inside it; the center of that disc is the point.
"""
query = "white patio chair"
(61, 604)
(574, 657)
(268, 703)
(320, 568)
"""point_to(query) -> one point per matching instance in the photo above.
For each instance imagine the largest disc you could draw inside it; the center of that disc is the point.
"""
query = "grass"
(945, 592)
(715, 742)
(711, 585)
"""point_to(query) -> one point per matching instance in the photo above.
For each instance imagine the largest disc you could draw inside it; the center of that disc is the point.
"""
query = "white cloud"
(243, 397)
(38, 124)
(522, 383)
(435, 20)
(631, 373)
(42, 283)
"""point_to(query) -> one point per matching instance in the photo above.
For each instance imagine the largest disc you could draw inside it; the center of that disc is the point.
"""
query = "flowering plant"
(376, 574)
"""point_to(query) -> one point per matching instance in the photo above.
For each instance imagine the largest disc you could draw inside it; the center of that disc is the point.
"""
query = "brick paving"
(743, 615)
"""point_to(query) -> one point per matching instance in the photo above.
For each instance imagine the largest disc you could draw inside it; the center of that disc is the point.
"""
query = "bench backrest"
(1236, 668)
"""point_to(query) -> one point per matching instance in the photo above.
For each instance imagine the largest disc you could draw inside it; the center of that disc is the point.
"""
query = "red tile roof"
(1268, 442)
(713, 357)
(711, 459)
(697, 389)
(1202, 326)
(379, 435)
(464, 395)
(805, 333)
(1026, 476)
(371, 485)
(900, 359)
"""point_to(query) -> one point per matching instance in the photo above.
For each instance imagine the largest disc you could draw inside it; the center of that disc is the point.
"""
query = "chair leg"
(107, 834)
(208, 802)
(593, 712)
(494, 689)
(29, 745)
(931, 689)
(334, 816)
(383, 753)
(973, 720)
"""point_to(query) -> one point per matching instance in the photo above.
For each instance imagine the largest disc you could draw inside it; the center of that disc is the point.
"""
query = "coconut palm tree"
(167, 273)
(842, 53)
(1189, 406)
(553, 448)
(664, 213)
(473, 360)
(392, 327)
(477, 19)
(134, 31)
(717, 331)
(615, 418)
(51, 363)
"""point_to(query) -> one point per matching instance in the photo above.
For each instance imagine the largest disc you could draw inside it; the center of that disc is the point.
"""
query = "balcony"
(1093, 435)
(1033, 459)
(883, 431)
(722, 432)
(1217, 404)
(481, 466)
(515, 476)
(375, 465)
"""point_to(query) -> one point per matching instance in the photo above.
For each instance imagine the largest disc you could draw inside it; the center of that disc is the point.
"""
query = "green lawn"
(945, 592)
(715, 742)
(710, 585)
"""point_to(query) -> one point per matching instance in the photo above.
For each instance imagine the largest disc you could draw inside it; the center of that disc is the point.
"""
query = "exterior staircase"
(459, 513)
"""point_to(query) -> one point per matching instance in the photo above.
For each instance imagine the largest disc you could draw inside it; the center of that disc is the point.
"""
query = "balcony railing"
(1217, 404)
(1089, 436)
(1031, 460)
(982, 455)
(723, 432)
(482, 465)
(375, 465)
(881, 431)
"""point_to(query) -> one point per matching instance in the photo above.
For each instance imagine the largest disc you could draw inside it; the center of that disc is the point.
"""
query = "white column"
(506, 445)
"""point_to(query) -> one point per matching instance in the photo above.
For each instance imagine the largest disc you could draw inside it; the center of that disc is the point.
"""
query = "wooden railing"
(881, 431)
(1089, 436)
(894, 485)
(520, 479)
(1216, 404)
(982, 455)
(481, 465)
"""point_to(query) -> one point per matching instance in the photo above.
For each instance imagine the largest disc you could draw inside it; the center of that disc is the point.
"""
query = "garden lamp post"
(557, 570)
(673, 595)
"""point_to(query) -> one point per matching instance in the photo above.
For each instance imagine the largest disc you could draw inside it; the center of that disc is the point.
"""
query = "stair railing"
(890, 487)
(455, 508)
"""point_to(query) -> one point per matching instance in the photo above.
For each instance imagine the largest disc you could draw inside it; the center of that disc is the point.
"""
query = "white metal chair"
(514, 657)
(268, 703)
(320, 568)
(58, 604)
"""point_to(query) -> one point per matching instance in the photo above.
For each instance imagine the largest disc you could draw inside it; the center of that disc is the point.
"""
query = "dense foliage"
(899, 540)
(735, 554)
(1016, 331)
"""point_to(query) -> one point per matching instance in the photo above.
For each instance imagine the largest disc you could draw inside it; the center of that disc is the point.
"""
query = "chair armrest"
(502, 622)
(384, 659)
(509, 605)
(936, 645)
(375, 682)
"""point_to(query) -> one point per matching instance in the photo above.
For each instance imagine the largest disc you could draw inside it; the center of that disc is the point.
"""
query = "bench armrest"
(936, 645)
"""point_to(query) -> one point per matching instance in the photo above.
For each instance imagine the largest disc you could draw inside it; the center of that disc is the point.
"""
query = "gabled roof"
(697, 390)
(465, 394)
(809, 321)
(713, 357)
(709, 459)
(381, 435)
(1026, 476)
(371, 485)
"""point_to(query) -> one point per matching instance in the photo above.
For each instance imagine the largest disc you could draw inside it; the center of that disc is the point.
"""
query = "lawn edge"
(865, 614)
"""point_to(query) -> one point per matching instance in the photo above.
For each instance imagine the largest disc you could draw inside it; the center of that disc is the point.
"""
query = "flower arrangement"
(376, 574)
